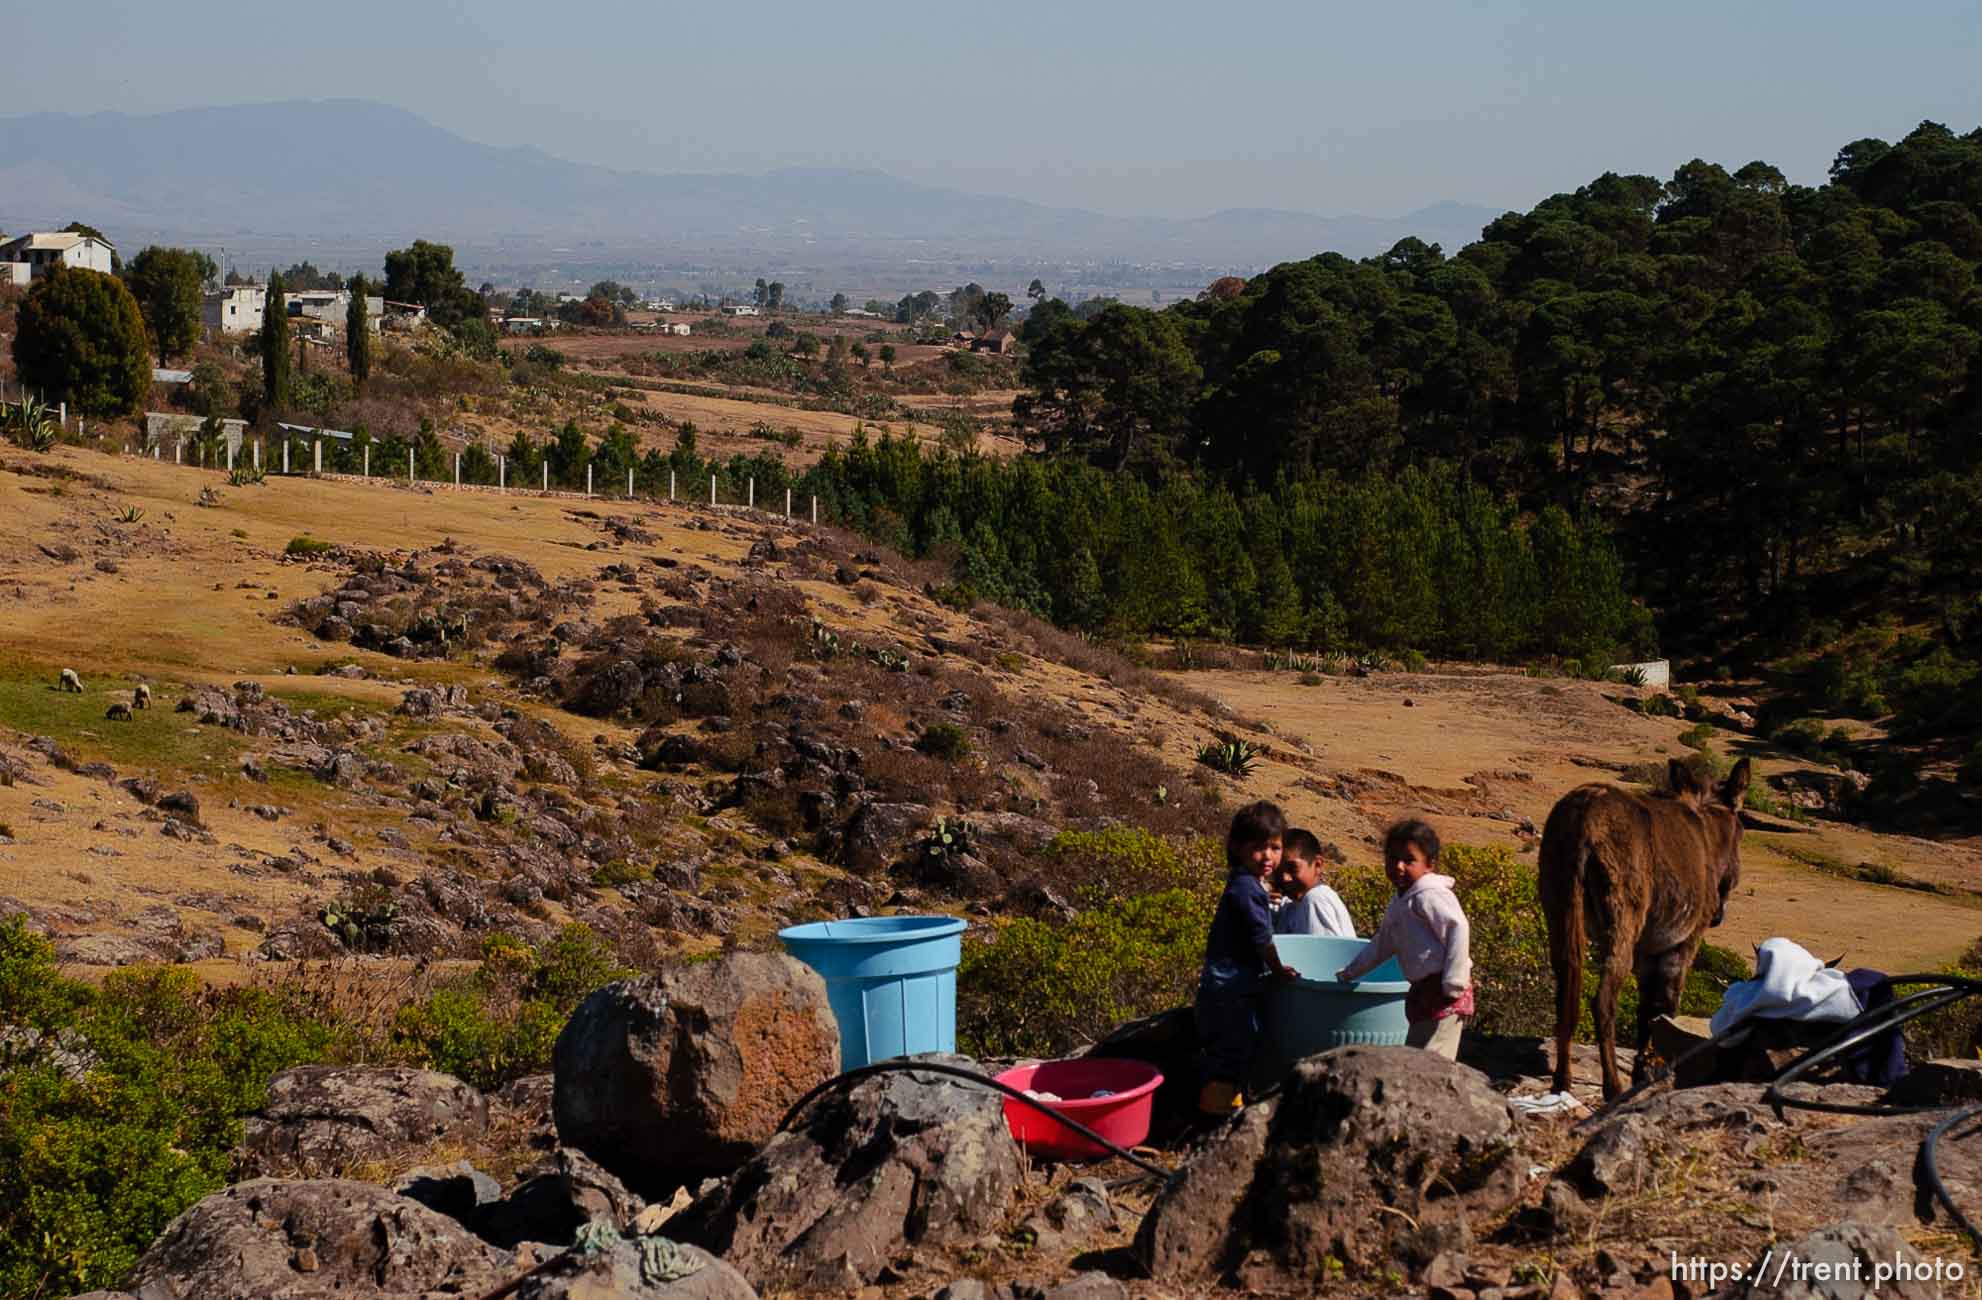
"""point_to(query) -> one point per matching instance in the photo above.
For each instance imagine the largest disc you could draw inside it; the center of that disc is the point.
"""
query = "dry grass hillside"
(110, 566)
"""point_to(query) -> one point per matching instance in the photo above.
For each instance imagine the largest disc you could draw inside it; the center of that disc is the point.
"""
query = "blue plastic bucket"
(1316, 1012)
(891, 980)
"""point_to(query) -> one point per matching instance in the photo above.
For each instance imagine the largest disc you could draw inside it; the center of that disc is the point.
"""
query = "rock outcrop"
(897, 1160)
(322, 1119)
(682, 1075)
(278, 1240)
(635, 1268)
(1373, 1158)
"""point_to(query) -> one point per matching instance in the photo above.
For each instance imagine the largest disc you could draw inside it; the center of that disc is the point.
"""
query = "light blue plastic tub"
(1315, 1012)
(891, 980)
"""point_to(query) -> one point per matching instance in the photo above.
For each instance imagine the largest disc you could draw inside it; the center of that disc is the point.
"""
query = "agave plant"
(131, 515)
(1630, 675)
(30, 427)
(247, 476)
(1232, 757)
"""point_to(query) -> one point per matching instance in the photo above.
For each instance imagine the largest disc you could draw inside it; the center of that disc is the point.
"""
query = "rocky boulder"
(1848, 1261)
(322, 1119)
(605, 1263)
(681, 1075)
(277, 1239)
(554, 1198)
(879, 833)
(1622, 1152)
(897, 1160)
(1284, 1190)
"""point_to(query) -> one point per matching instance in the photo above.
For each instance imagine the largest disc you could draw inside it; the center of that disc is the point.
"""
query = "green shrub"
(1660, 706)
(307, 545)
(620, 871)
(500, 1022)
(94, 1165)
(1698, 736)
(1413, 661)
(1807, 737)
(944, 740)
(1094, 868)
(1044, 989)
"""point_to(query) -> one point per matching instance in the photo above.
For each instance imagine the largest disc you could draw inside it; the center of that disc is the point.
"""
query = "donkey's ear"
(1734, 790)
(1679, 776)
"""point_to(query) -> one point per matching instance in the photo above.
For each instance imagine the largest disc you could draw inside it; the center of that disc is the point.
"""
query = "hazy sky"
(1157, 107)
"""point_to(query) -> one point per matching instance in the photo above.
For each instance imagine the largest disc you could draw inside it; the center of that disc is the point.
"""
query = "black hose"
(1930, 1169)
(909, 1065)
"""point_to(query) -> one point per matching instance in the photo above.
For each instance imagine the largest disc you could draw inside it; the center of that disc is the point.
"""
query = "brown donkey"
(1644, 875)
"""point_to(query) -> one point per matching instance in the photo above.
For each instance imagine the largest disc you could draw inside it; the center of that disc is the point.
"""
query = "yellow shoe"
(1219, 1098)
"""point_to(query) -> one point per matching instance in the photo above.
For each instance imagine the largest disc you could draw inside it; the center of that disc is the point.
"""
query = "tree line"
(1770, 390)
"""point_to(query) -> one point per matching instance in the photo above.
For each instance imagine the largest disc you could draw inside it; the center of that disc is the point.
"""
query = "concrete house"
(741, 309)
(235, 309)
(1000, 341)
(31, 256)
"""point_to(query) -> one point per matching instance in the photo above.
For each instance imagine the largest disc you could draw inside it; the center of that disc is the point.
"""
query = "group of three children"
(1274, 887)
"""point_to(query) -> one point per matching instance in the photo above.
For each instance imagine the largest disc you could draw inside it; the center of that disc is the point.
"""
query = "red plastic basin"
(1123, 1118)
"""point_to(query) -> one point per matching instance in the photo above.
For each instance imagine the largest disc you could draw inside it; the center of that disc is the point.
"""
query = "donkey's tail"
(1562, 872)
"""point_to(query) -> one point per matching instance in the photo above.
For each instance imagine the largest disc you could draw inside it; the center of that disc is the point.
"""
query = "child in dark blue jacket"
(1238, 959)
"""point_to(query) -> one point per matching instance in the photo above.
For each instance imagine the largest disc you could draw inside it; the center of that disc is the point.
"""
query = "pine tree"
(275, 348)
(357, 333)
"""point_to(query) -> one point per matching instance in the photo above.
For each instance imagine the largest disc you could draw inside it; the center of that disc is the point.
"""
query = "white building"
(676, 327)
(42, 250)
(740, 309)
(235, 309)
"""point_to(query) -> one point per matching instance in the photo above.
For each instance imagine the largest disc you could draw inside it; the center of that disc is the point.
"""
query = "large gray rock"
(553, 1199)
(1845, 1262)
(281, 1240)
(897, 1160)
(1874, 1173)
(683, 1074)
(635, 1268)
(322, 1119)
(1287, 1187)
(879, 834)
(1629, 1140)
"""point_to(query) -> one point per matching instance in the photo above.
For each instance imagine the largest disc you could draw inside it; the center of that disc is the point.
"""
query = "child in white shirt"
(1425, 929)
(1310, 907)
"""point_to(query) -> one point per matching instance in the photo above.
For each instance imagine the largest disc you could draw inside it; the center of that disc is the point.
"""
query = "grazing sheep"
(70, 681)
(118, 713)
(141, 697)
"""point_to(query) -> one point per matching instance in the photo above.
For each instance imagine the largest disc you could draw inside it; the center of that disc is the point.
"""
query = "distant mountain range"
(353, 168)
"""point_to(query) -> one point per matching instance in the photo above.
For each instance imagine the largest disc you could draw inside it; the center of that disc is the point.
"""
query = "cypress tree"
(275, 348)
(357, 333)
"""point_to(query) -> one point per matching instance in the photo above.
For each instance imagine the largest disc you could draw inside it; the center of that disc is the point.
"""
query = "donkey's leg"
(1617, 964)
(1661, 981)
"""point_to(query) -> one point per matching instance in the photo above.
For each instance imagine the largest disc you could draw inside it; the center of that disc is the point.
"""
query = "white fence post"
(178, 449)
(787, 503)
(316, 454)
(502, 473)
(547, 476)
(588, 478)
(65, 416)
(457, 469)
(815, 510)
(753, 491)
(285, 453)
(230, 458)
(670, 485)
(629, 482)
(158, 450)
(368, 460)
(410, 476)
(712, 489)
(258, 453)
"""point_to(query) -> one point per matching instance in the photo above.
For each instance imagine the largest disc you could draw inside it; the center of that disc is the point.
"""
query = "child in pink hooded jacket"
(1425, 929)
